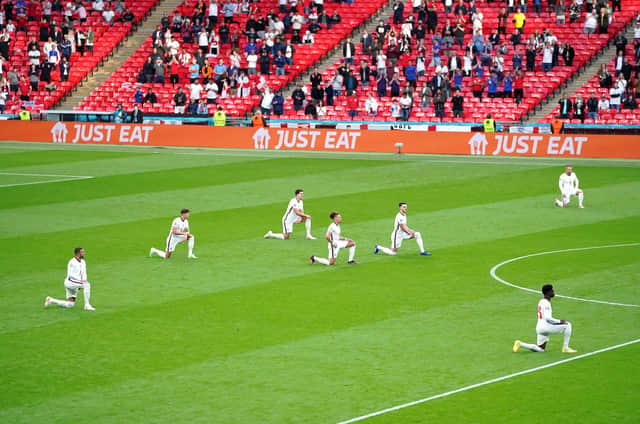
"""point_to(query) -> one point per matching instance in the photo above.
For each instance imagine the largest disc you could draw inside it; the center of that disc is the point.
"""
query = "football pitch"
(251, 333)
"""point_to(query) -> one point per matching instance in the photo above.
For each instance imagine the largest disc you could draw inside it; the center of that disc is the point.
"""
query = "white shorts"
(333, 251)
(173, 240)
(546, 329)
(287, 224)
(566, 195)
(398, 236)
(72, 288)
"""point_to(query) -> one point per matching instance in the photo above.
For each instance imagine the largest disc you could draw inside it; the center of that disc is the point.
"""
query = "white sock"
(352, 253)
(419, 241)
(190, 243)
(62, 303)
(580, 198)
(158, 252)
(307, 225)
(277, 236)
(558, 203)
(567, 335)
(532, 347)
(87, 293)
(387, 250)
(322, 261)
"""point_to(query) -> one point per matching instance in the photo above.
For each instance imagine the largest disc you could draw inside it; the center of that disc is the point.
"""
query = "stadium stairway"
(123, 51)
(335, 54)
(583, 76)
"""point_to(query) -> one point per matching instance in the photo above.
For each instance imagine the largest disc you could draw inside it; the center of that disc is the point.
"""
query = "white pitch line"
(487, 382)
(57, 180)
(22, 174)
(577, 249)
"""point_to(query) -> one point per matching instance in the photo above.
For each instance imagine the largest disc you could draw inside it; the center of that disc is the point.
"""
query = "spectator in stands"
(604, 77)
(194, 70)
(615, 97)
(138, 96)
(150, 97)
(561, 11)
(459, 28)
(45, 72)
(630, 102)
(590, 23)
(3, 100)
(337, 83)
(565, 106)
(439, 100)
(298, 97)
(201, 108)
(578, 108)
(136, 115)
(603, 21)
(65, 70)
(394, 85)
(568, 53)
(34, 77)
(502, 21)
(179, 101)
(398, 12)
(394, 109)
(34, 55)
(108, 15)
(158, 70)
(366, 41)
(371, 105)
(310, 111)
(457, 104)
(477, 87)
(592, 107)
(494, 38)
(266, 103)
(425, 96)
(280, 62)
(128, 16)
(90, 39)
(211, 87)
(24, 89)
(492, 85)
(119, 115)
(515, 38)
(537, 6)
(626, 70)
(603, 104)
(575, 9)
(352, 105)
(406, 104)
(507, 88)
(277, 103)
(265, 63)
(519, 20)
(348, 51)
(547, 58)
(381, 84)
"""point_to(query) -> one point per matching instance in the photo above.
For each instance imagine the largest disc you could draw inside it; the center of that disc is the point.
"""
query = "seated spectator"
(630, 102)
(603, 104)
(307, 39)
(150, 97)
(108, 15)
(201, 108)
(310, 111)
(371, 105)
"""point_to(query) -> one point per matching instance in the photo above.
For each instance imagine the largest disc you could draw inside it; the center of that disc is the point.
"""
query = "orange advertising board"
(499, 144)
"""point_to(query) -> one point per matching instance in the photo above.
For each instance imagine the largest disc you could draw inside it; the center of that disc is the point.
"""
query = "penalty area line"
(487, 382)
(57, 178)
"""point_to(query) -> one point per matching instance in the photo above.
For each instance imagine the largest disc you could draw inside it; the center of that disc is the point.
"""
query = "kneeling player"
(336, 242)
(401, 232)
(569, 186)
(76, 280)
(547, 325)
(293, 215)
(178, 234)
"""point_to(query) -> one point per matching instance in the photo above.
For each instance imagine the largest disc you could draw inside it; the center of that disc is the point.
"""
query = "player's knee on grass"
(71, 302)
(286, 236)
(332, 261)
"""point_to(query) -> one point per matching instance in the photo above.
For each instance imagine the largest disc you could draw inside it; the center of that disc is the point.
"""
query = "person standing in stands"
(592, 106)
(565, 107)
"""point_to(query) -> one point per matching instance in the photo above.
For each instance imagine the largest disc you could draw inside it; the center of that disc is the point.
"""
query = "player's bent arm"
(300, 213)
(328, 237)
(406, 229)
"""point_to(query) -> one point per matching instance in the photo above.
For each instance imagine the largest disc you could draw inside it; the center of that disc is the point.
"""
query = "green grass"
(251, 333)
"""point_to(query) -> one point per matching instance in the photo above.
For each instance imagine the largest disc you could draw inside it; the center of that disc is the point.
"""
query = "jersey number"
(540, 312)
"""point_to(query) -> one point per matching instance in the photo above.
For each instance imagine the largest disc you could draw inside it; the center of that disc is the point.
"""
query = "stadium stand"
(537, 83)
(235, 93)
(614, 88)
(82, 32)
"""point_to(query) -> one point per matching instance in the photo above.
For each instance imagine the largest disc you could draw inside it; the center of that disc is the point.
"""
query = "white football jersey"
(400, 219)
(76, 270)
(293, 204)
(334, 231)
(568, 182)
(544, 312)
(180, 225)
